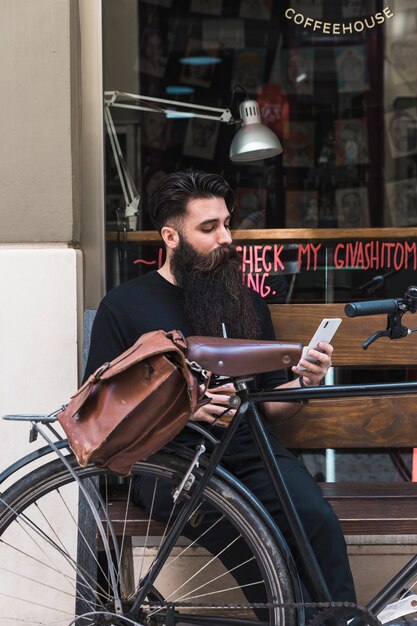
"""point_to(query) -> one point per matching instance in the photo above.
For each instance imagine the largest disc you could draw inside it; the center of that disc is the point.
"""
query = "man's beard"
(214, 293)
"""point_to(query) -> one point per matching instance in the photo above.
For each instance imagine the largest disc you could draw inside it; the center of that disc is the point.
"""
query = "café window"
(330, 219)
(334, 81)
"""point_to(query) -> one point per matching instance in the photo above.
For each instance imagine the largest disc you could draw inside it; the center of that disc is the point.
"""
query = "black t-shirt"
(148, 303)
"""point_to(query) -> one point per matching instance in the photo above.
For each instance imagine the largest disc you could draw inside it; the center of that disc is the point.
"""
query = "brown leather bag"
(131, 407)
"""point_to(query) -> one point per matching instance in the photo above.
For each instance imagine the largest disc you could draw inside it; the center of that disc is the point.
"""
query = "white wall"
(39, 340)
(39, 168)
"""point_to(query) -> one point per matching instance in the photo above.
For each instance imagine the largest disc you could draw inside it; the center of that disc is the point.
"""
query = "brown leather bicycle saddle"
(241, 357)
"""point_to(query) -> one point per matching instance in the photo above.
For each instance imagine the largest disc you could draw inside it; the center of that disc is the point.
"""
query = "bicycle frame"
(315, 581)
(248, 409)
(399, 580)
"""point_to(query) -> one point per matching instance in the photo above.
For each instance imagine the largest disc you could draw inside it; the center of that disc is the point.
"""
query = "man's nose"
(224, 238)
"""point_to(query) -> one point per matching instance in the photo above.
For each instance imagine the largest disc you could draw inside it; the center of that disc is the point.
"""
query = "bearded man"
(197, 290)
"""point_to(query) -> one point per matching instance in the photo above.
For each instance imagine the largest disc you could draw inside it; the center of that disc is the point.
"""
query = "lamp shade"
(253, 141)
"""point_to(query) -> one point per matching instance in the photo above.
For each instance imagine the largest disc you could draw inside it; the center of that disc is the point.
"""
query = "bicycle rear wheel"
(44, 579)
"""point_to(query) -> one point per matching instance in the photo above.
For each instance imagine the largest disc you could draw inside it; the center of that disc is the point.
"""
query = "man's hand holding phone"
(316, 359)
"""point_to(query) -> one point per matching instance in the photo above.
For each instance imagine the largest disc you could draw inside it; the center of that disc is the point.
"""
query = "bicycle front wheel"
(61, 568)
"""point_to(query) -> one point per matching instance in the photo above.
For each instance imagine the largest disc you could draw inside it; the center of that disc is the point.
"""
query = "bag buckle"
(98, 373)
(196, 368)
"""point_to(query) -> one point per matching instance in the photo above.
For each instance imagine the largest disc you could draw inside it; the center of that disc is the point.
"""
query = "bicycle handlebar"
(384, 307)
(372, 307)
(393, 308)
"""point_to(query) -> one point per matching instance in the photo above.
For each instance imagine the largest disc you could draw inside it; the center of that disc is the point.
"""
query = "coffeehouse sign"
(339, 28)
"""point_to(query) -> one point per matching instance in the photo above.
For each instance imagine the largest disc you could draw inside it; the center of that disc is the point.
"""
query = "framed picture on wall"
(351, 69)
(248, 69)
(199, 74)
(298, 70)
(351, 141)
(250, 208)
(255, 9)
(228, 33)
(402, 57)
(352, 207)
(357, 8)
(310, 8)
(155, 131)
(402, 202)
(298, 144)
(201, 138)
(401, 130)
(301, 209)
(154, 52)
(207, 7)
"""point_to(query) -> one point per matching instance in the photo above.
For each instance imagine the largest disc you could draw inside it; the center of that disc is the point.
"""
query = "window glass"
(331, 219)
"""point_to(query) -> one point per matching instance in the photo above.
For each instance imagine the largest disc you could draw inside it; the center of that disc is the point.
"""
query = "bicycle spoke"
(49, 566)
(45, 585)
(145, 543)
(39, 604)
(29, 526)
(198, 572)
(194, 542)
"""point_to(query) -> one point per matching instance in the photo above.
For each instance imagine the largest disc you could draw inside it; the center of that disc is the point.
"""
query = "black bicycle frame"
(249, 398)
(394, 587)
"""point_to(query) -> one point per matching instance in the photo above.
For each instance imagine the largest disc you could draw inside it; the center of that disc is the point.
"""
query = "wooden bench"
(363, 508)
(370, 513)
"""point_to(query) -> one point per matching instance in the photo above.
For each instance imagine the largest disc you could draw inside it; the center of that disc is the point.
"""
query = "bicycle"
(49, 580)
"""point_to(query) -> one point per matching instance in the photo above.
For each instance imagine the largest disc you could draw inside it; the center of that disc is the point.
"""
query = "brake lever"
(374, 337)
(394, 330)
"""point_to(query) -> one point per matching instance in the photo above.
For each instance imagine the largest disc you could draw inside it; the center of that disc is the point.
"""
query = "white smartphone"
(325, 332)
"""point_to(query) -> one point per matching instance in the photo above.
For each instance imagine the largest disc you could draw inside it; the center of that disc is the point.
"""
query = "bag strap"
(148, 344)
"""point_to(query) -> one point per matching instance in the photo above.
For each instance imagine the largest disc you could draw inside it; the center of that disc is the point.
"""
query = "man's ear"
(170, 236)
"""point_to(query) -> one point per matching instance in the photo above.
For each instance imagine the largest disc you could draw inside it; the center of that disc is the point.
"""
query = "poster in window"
(351, 69)
(402, 58)
(229, 33)
(401, 130)
(248, 69)
(154, 52)
(351, 142)
(402, 202)
(357, 8)
(298, 143)
(274, 107)
(250, 208)
(352, 207)
(201, 138)
(255, 9)
(208, 7)
(155, 131)
(301, 209)
(309, 8)
(199, 74)
(298, 70)
(405, 5)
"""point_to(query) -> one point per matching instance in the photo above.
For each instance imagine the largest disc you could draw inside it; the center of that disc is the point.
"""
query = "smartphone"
(325, 332)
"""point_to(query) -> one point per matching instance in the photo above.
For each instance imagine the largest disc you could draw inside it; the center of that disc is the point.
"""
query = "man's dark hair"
(170, 198)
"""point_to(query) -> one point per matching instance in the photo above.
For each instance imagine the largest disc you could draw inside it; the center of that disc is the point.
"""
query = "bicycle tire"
(42, 582)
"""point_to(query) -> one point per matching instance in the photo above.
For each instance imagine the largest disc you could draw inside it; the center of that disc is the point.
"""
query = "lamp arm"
(130, 193)
(111, 99)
